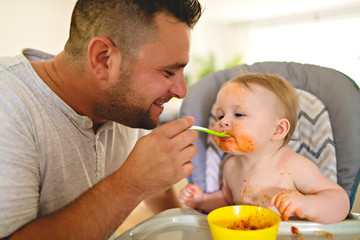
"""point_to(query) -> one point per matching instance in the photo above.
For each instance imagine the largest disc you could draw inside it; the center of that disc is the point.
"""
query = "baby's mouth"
(225, 132)
(225, 138)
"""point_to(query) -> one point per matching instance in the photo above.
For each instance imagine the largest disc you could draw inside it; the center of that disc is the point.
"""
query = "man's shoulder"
(7, 62)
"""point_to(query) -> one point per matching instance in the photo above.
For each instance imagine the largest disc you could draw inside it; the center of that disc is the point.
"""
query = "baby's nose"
(224, 122)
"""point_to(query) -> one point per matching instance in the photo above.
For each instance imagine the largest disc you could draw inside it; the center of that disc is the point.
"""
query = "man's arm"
(95, 215)
(162, 201)
(157, 161)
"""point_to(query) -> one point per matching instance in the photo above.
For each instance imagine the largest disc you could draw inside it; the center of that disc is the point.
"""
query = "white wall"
(332, 43)
(39, 24)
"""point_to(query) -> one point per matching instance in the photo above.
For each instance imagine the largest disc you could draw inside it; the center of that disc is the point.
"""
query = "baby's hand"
(192, 196)
(289, 202)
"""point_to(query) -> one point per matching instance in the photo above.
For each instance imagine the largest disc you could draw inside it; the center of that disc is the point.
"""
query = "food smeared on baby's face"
(246, 144)
(240, 141)
(234, 91)
(231, 101)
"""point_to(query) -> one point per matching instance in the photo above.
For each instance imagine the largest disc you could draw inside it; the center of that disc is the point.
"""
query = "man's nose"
(178, 88)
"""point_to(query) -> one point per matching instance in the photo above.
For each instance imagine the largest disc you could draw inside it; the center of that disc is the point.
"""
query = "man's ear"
(282, 129)
(100, 50)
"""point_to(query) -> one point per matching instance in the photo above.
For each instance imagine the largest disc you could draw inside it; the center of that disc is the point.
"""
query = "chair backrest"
(328, 129)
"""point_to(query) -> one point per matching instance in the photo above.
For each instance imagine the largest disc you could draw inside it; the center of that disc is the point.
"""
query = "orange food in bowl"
(243, 222)
(246, 224)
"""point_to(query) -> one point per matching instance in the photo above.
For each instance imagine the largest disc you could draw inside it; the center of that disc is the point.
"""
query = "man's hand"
(162, 158)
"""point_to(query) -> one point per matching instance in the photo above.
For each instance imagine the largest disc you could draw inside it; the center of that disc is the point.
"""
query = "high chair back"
(327, 132)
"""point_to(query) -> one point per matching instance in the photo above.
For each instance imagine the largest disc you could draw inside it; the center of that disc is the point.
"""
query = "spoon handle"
(202, 129)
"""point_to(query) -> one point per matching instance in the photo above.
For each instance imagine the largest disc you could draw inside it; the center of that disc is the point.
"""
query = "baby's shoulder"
(230, 162)
(296, 159)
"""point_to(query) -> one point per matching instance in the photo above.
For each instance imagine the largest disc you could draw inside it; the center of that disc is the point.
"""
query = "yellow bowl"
(265, 221)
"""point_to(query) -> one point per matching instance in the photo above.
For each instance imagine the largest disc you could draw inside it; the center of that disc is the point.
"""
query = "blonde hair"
(285, 92)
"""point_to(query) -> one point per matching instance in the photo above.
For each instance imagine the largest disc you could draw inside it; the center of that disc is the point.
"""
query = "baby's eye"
(220, 117)
(239, 114)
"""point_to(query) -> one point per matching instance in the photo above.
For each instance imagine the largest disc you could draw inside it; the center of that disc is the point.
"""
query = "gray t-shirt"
(49, 155)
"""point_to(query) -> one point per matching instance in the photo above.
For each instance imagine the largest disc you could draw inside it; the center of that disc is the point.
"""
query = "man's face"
(137, 97)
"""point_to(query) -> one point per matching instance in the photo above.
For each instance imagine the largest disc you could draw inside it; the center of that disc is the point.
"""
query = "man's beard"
(123, 105)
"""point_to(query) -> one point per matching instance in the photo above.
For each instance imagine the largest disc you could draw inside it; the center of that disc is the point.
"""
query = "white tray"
(187, 224)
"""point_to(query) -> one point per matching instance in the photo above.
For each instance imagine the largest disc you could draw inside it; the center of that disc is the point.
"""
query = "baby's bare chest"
(257, 189)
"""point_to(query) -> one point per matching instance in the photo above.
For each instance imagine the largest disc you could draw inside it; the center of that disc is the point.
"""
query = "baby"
(259, 112)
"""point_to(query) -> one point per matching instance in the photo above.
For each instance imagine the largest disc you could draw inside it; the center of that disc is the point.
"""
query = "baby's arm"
(193, 196)
(322, 200)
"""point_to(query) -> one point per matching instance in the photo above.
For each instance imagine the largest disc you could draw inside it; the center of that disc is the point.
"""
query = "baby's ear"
(282, 129)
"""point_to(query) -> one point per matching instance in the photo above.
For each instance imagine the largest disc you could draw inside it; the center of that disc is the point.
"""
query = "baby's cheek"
(241, 141)
(216, 139)
(228, 146)
(246, 144)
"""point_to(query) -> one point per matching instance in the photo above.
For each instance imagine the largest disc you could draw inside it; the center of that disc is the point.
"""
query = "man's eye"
(169, 74)
(239, 114)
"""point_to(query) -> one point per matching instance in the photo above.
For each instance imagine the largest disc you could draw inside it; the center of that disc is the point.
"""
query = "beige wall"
(39, 24)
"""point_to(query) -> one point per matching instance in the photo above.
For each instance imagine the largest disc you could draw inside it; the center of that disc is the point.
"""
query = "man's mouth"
(162, 101)
(159, 104)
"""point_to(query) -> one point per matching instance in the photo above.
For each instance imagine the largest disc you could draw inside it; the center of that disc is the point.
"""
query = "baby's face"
(249, 116)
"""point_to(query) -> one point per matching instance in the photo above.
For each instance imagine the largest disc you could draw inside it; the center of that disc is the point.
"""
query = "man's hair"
(283, 89)
(127, 23)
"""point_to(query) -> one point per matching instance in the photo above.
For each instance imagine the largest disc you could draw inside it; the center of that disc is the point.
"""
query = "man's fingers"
(184, 140)
(188, 167)
(188, 153)
(173, 128)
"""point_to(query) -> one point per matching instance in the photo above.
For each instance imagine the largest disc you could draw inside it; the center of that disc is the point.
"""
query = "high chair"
(328, 129)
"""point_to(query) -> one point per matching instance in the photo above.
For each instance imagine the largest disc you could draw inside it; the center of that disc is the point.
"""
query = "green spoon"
(202, 129)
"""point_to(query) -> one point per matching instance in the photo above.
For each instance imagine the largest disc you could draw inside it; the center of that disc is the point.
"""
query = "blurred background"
(321, 32)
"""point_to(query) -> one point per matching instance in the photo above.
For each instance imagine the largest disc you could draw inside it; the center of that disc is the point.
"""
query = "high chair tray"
(185, 224)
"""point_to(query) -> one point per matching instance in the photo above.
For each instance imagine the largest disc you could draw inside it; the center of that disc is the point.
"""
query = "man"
(72, 163)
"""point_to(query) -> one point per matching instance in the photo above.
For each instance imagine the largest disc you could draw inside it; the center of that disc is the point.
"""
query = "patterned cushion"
(313, 135)
(312, 138)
